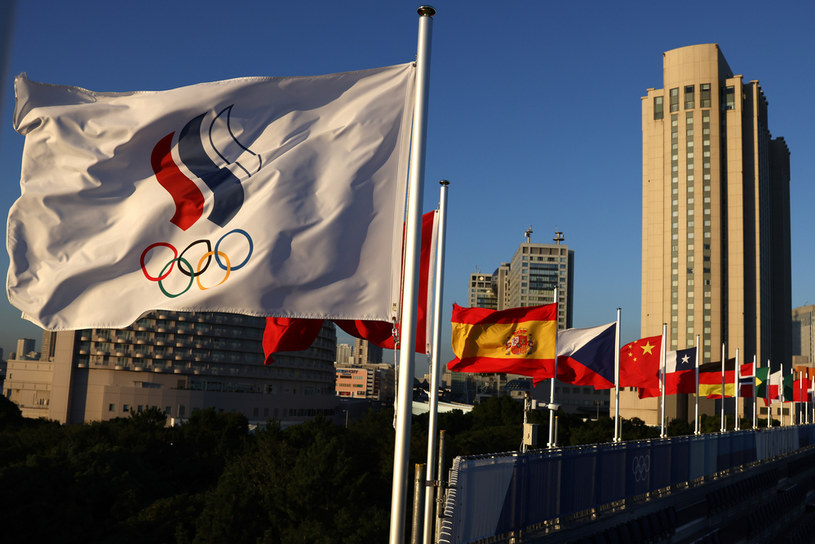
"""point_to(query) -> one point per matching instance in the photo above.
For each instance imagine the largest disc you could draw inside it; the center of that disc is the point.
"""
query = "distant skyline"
(534, 111)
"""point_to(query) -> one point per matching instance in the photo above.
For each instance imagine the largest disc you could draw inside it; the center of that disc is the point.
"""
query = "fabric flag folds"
(746, 376)
(800, 387)
(517, 341)
(640, 363)
(762, 382)
(680, 374)
(379, 333)
(585, 357)
(261, 196)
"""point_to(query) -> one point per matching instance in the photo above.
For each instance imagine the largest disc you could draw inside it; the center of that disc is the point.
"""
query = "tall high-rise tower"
(715, 212)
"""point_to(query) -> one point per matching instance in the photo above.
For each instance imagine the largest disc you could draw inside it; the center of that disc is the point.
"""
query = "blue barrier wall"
(497, 494)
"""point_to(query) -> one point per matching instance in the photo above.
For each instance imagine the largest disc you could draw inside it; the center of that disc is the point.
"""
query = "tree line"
(212, 480)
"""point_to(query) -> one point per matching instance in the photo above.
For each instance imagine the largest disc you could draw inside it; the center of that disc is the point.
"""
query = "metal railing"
(492, 495)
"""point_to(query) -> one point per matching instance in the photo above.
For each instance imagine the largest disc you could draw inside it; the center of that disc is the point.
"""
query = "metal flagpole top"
(426, 11)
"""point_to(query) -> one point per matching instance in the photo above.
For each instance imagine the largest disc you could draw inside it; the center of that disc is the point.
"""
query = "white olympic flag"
(261, 196)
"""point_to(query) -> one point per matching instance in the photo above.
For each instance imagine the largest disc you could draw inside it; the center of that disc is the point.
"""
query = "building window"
(674, 95)
(729, 98)
(659, 112)
(689, 98)
(704, 95)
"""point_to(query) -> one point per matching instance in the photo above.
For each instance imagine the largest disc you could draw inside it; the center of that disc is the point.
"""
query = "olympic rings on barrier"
(640, 466)
(194, 273)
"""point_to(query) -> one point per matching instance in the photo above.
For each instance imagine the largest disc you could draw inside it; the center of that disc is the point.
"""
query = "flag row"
(526, 341)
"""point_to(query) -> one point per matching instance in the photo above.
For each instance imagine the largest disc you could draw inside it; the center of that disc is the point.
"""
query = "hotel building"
(715, 219)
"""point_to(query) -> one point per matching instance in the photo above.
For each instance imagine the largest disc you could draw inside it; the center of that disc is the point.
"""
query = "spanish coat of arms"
(520, 343)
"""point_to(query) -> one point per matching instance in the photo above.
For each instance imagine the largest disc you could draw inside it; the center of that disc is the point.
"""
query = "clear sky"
(534, 112)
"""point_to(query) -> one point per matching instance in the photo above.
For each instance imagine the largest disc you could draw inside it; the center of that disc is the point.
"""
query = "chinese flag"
(639, 363)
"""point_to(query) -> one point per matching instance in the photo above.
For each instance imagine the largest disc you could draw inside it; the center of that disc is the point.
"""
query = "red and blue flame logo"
(223, 182)
(226, 188)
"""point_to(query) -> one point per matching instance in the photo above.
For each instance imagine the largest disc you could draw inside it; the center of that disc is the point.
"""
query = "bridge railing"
(493, 495)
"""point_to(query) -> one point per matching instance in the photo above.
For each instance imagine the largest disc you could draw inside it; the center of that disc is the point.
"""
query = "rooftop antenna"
(528, 234)
(558, 237)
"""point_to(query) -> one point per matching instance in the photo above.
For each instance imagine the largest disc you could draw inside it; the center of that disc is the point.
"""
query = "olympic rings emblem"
(640, 466)
(194, 273)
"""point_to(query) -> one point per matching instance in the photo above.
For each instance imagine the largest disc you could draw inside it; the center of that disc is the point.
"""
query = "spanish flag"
(516, 341)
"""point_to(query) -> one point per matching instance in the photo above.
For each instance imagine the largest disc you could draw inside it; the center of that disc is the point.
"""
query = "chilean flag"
(680, 374)
(586, 356)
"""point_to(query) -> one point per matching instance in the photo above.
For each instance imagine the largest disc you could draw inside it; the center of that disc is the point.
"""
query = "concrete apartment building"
(715, 219)
(177, 362)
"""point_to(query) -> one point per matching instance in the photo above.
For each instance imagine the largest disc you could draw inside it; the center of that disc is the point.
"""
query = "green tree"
(300, 484)
(679, 427)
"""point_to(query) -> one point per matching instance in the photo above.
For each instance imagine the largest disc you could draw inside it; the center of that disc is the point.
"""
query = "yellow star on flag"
(647, 348)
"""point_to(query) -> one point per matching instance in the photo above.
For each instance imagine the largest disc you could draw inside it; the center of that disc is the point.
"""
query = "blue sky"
(534, 112)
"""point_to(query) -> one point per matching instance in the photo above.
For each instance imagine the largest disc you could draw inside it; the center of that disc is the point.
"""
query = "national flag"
(772, 388)
(762, 379)
(680, 374)
(640, 363)
(585, 356)
(517, 340)
(746, 376)
(379, 333)
(262, 196)
(289, 334)
(800, 388)
(788, 388)
(710, 379)
(776, 385)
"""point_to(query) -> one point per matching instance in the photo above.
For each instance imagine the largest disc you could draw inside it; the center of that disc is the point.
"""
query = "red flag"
(680, 374)
(294, 334)
(799, 390)
(746, 377)
(639, 363)
(289, 334)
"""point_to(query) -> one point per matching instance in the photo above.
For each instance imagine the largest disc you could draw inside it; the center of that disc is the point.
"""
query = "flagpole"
(737, 388)
(781, 394)
(429, 526)
(802, 417)
(722, 427)
(551, 443)
(617, 379)
(755, 392)
(662, 379)
(767, 394)
(696, 413)
(768, 398)
(401, 450)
